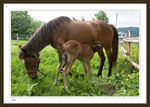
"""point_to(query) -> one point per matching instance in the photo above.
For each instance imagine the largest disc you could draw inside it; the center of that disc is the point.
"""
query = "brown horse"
(58, 31)
(73, 50)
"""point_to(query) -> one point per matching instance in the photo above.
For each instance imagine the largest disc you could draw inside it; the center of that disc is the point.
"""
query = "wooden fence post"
(129, 43)
(129, 40)
(17, 38)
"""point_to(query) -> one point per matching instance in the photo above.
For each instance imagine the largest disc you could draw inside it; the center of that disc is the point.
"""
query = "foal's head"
(96, 47)
(31, 62)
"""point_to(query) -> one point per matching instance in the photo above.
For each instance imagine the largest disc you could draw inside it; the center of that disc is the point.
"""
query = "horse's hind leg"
(66, 71)
(102, 58)
(109, 53)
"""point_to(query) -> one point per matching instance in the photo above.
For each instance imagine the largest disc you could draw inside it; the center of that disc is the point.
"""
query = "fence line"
(129, 41)
(126, 55)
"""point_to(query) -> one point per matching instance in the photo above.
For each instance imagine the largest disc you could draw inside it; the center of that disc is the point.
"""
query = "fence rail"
(131, 39)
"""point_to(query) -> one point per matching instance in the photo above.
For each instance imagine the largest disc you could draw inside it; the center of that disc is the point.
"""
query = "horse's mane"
(42, 37)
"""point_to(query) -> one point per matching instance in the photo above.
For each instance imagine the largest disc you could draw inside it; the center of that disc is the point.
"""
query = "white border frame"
(142, 98)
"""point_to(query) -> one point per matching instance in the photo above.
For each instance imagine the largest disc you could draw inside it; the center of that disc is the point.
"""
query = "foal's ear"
(22, 49)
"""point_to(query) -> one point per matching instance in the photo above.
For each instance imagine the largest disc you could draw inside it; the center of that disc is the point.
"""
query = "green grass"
(123, 82)
(134, 51)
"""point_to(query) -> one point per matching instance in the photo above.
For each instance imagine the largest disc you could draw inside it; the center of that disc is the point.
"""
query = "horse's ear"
(22, 49)
(20, 46)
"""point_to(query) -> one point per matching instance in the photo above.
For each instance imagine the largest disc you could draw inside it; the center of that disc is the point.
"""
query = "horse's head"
(31, 62)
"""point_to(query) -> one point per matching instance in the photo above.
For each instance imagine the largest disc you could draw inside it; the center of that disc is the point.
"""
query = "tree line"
(23, 25)
(101, 15)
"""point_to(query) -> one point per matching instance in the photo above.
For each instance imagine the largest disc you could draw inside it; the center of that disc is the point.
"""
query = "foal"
(73, 50)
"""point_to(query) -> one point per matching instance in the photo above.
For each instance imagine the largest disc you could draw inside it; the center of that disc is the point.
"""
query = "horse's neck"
(37, 44)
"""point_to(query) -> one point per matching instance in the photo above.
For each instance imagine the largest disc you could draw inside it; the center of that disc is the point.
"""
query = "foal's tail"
(64, 57)
(114, 46)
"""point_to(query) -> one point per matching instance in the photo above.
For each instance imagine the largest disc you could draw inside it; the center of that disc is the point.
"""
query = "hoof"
(109, 76)
(66, 88)
(55, 84)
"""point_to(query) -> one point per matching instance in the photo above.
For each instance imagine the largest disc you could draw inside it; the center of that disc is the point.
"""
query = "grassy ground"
(123, 82)
(134, 54)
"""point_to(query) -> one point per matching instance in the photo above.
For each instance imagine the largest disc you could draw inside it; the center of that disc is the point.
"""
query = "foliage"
(82, 19)
(101, 15)
(123, 82)
(22, 24)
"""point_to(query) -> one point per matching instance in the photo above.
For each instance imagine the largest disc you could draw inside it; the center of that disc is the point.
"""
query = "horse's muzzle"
(32, 75)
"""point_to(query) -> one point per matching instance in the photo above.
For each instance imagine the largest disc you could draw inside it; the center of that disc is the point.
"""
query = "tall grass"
(123, 82)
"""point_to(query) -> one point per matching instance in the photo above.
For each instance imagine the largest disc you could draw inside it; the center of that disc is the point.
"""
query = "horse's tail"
(64, 57)
(114, 46)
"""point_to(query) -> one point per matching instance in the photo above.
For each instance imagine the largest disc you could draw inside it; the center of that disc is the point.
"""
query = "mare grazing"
(73, 50)
(62, 29)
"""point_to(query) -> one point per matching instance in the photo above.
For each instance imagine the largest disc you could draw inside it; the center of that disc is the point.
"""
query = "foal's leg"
(102, 58)
(66, 71)
(89, 68)
(85, 71)
(58, 71)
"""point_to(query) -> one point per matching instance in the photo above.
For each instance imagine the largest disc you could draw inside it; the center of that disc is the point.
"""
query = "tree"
(73, 18)
(101, 15)
(22, 24)
(33, 27)
(82, 19)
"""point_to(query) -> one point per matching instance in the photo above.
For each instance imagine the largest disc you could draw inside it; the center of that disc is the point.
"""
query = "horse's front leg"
(59, 51)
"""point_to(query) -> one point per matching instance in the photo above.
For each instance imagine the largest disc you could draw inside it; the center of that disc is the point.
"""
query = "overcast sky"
(126, 18)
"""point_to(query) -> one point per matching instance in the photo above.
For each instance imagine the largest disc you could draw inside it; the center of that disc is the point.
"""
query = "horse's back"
(89, 32)
(80, 31)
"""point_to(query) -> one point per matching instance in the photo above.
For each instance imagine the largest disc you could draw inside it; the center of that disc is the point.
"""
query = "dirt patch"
(110, 89)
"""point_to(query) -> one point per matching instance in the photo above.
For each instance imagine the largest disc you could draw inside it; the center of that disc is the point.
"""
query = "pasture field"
(123, 82)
